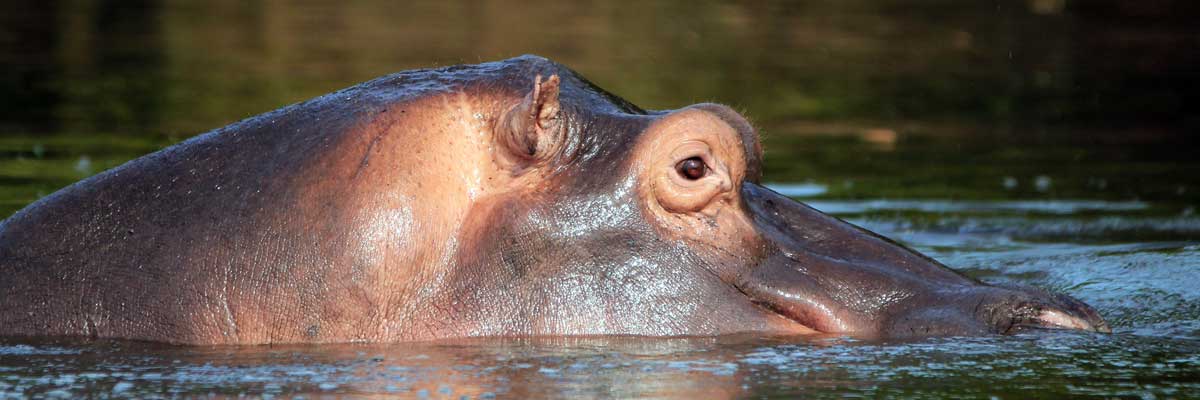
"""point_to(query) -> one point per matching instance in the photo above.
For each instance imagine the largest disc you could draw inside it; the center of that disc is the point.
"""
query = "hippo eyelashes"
(692, 168)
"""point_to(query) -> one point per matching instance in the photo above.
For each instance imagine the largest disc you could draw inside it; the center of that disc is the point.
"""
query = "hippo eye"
(692, 168)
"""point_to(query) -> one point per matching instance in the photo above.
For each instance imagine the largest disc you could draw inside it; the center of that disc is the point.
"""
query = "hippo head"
(617, 220)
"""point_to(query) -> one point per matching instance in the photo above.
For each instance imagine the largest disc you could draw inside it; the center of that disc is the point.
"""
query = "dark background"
(932, 99)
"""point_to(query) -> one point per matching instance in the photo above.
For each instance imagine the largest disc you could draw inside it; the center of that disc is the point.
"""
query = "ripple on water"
(1037, 363)
(960, 206)
(28, 350)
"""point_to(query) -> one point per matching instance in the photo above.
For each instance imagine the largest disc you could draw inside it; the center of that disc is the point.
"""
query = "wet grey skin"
(347, 219)
(836, 277)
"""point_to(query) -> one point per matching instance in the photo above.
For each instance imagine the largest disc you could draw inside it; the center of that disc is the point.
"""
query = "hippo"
(504, 199)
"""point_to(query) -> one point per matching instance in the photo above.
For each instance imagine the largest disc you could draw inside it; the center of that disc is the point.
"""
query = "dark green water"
(1044, 142)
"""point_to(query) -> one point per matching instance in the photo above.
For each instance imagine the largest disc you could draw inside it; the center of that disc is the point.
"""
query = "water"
(1042, 365)
(1040, 142)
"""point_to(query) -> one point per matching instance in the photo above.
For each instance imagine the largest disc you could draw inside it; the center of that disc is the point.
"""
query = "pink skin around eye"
(680, 194)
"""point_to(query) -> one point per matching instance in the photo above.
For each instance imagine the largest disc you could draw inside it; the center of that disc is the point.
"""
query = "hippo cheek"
(834, 277)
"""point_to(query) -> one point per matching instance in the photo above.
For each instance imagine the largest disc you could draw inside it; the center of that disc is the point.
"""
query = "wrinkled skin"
(502, 199)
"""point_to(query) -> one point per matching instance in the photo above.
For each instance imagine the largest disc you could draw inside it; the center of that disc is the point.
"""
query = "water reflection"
(168, 68)
(523, 368)
(1039, 362)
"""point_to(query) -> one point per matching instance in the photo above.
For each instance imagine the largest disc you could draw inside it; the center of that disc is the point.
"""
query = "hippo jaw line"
(799, 309)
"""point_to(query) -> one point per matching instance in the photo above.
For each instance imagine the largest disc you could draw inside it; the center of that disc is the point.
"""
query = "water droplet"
(122, 387)
(1042, 183)
(1010, 183)
(84, 165)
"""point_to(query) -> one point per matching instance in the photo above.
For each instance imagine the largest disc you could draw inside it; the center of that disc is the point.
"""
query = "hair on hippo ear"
(532, 128)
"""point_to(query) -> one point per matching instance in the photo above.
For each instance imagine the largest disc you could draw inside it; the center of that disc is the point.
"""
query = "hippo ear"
(531, 129)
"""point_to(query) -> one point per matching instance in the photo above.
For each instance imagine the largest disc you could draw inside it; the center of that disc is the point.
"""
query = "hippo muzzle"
(835, 277)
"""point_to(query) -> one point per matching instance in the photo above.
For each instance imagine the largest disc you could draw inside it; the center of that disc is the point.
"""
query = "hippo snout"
(835, 277)
(977, 310)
